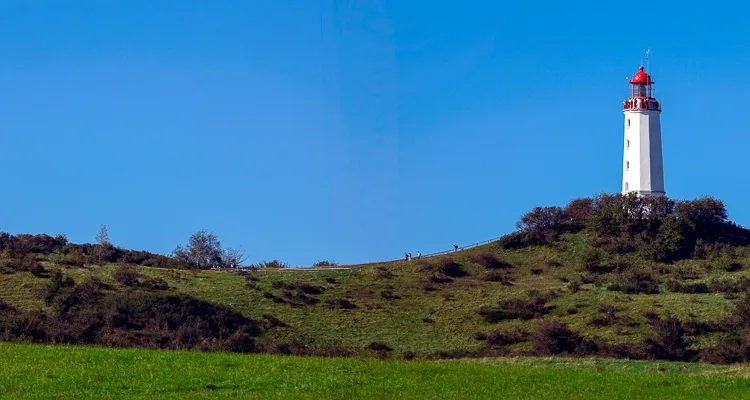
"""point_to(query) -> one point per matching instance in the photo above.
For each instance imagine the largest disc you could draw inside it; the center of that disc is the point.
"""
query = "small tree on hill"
(102, 244)
(541, 222)
(202, 252)
(233, 257)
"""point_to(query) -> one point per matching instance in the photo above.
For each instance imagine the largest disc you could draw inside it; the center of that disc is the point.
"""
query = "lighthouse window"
(627, 144)
(628, 122)
(626, 186)
(627, 165)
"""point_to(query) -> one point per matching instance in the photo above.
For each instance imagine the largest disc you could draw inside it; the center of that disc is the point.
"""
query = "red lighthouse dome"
(642, 77)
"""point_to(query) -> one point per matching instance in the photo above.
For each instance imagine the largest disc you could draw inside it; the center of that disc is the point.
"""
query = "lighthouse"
(643, 168)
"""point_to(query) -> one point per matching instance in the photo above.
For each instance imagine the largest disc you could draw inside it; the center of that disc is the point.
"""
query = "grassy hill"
(650, 285)
(33, 371)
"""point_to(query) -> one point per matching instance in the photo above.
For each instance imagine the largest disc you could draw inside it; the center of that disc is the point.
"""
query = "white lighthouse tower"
(643, 168)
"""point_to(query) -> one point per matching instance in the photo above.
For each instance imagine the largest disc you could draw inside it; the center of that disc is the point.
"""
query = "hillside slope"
(565, 288)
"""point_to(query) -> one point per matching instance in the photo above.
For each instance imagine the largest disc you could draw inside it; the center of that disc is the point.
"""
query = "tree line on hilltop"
(23, 252)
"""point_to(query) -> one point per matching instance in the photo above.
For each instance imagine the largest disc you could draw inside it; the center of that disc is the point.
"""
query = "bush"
(730, 349)
(325, 263)
(555, 338)
(341, 304)
(542, 223)
(669, 342)
(272, 264)
(154, 284)
(503, 338)
(440, 278)
(126, 275)
(496, 276)
(385, 273)
(515, 308)
(446, 266)
(489, 260)
(388, 295)
(693, 288)
(579, 210)
(635, 282)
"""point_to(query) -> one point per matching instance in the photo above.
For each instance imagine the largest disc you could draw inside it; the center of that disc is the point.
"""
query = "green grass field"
(68, 372)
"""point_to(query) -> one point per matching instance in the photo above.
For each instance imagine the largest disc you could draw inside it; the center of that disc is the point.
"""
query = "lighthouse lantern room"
(643, 170)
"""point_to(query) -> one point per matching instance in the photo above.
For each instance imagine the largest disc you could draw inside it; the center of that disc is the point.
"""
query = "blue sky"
(351, 130)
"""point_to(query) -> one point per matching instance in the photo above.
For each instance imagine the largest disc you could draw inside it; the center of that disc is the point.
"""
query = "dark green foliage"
(126, 275)
(388, 295)
(381, 348)
(340, 304)
(385, 273)
(555, 338)
(497, 276)
(636, 281)
(489, 260)
(498, 338)
(669, 341)
(325, 263)
(154, 284)
(272, 264)
(542, 224)
(89, 314)
(517, 308)
(678, 287)
(446, 266)
(579, 211)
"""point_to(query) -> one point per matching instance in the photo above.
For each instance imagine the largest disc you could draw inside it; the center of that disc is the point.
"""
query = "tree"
(580, 210)
(202, 252)
(102, 244)
(233, 257)
(541, 222)
(702, 214)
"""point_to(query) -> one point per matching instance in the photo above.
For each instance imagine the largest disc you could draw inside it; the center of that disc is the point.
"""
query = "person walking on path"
(455, 247)
(419, 254)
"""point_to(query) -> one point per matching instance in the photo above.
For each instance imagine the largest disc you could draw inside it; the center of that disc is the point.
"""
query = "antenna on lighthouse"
(648, 52)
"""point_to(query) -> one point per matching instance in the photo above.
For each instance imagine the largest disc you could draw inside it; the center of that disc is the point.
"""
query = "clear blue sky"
(351, 130)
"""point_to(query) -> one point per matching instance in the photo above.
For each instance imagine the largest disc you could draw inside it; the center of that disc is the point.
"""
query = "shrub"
(730, 349)
(273, 264)
(504, 338)
(496, 276)
(385, 273)
(325, 263)
(555, 338)
(695, 287)
(388, 295)
(408, 355)
(446, 266)
(126, 275)
(574, 286)
(269, 321)
(579, 210)
(489, 260)
(636, 281)
(515, 308)
(542, 223)
(669, 342)
(341, 304)
(154, 284)
(518, 240)
(310, 289)
(440, 278)
(537, 271)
